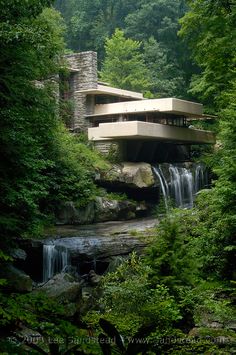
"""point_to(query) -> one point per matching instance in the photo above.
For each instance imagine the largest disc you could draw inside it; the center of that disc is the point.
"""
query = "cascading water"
(184, 184)
(163, 183)
(55, 259)
(188, 187)
(200, 178)
(176, 185)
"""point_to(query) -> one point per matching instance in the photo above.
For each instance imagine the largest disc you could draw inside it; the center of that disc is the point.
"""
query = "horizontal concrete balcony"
(168, 105)
(110, 91)
(150, 131)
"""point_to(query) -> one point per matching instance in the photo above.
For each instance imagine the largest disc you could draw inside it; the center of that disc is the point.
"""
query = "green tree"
(130, 301)
(124, 65)
(167, 77)
(30, 45)
(209, 29)
(90, 22)
(174, 255)
(156, 23)
(217, 208)
(41, 164)
(157, 18)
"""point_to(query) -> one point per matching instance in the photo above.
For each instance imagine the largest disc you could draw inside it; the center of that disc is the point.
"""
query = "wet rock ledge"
(90, 247)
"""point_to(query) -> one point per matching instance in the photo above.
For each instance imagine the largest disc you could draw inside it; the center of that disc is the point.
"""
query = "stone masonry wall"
(83, 77)
(115, 150)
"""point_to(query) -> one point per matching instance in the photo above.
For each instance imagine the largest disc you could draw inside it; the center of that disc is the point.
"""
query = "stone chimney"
(83, 76)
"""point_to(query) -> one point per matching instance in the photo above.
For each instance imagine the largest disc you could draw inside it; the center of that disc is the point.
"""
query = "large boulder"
(134, 175)
(70, 214)
(108, 210)
(63, 287)
(102, 209)
(138, 174)
(18, 254)
(17, 280)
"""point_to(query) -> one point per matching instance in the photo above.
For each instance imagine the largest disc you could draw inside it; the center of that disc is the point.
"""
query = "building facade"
(124, 123)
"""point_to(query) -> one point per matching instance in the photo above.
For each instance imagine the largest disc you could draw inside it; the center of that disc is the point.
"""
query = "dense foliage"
(209, 29)
(90, 22)
(163, 295)
(27, 112)
(216, 83)
(124, 65)
(128, 292)
(156, 24)
(153, 23)
(41, 164)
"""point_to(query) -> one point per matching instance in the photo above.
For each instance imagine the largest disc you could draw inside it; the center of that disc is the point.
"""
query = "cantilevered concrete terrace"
(127, 127)
(111, 91)
(168, 105)
(149, 131)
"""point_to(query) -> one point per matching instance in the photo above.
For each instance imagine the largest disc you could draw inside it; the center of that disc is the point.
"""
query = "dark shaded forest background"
(155, 24)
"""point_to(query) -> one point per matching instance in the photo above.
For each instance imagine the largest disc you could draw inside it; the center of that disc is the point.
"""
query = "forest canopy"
(153, 23)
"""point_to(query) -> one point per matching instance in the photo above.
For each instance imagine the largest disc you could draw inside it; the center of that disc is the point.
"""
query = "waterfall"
(176, 183)
(201, 178)
(188, 187)
(164, 185)
(184, 183)
(55, 259)
(181, 180)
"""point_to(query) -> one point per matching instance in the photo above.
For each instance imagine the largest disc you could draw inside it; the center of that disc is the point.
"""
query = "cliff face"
(89, 247)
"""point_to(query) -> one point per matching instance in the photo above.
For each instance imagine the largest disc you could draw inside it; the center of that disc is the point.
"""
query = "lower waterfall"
(181, 184)
(55, 259)
(178, 183)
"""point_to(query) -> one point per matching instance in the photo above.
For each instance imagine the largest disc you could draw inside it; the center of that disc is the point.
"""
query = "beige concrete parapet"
(150, 131)
(168, 105)
(108, 90)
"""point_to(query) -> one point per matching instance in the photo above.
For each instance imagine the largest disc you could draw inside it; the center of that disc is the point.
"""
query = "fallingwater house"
(141, 133)
(126, 124)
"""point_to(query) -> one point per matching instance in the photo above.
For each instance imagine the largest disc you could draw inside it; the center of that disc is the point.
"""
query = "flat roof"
(168, 105)
(150, 131)
(109, 90)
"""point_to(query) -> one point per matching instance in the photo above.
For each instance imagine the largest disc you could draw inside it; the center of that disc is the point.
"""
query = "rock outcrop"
(134, 175)
(83, 248)
(91, 247)
(110, 210)
(70, 214)
(62, 287)
(102, 209)
(18, 254)
(137, 180)
(17, 280)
